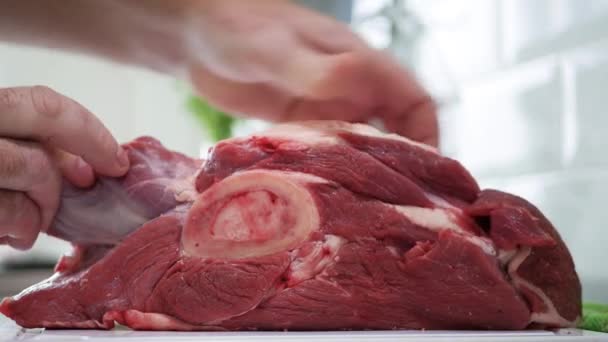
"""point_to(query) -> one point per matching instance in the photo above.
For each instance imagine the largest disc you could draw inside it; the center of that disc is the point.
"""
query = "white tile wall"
(462, 35)
(589, 69)
(532, 28)
(513, 120)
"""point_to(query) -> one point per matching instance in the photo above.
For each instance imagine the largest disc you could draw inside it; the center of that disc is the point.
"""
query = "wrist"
(169, 36)
(156, 36)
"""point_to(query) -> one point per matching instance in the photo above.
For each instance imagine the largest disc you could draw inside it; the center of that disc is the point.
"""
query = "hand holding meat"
(44, 136)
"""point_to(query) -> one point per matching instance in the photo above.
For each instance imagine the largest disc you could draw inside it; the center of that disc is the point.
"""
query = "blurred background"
(523, 88)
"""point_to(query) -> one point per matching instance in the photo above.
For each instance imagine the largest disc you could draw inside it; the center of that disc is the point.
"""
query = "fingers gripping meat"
(104, 214)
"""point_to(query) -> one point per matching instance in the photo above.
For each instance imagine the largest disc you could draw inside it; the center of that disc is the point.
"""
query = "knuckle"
(14, 206)
(21, 205)
(347, 66)
(40, 165)
(12, 161)
(99, 137)
(9, 98)
(46, 101)
(348, 63)
(84, 118)
(106, 140)
(24, 160)
(9, 204)
(19, 219)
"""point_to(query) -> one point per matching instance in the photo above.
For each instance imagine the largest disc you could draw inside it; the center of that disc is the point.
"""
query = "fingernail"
(123, 158)
(84, 176)
(81, 165)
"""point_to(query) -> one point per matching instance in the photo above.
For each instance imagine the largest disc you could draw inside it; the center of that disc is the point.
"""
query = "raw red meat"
(307, 226)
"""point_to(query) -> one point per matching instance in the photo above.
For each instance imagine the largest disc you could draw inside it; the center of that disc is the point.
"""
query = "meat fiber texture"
(306, 226)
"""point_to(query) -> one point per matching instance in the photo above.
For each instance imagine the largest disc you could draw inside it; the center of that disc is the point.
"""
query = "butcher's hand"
(276, 60)
(270, 59)
(45, 136)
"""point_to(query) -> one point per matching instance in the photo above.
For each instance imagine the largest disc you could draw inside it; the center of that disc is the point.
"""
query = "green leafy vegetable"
(218, 124)
(595, 317)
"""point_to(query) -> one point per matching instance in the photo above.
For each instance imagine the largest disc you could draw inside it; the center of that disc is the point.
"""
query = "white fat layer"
(315, 132)
(299, 177)
(184, 189)
(373, 132)
(393, 250)
(505, 256)
(306, 135)
(485, 244)
(437, 219)
(551, 316)
(90, 324)
(440, 202)
(313, 263)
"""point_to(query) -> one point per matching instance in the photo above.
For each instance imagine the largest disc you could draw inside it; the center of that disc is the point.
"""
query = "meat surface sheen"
(307, 226)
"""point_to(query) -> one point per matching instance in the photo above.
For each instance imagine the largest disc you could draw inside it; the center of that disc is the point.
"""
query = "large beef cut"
(307, 226)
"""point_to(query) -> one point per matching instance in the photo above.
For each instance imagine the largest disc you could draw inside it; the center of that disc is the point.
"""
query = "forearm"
(146, 33)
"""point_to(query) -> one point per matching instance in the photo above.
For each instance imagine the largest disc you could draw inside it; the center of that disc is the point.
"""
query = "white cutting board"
(9, 331)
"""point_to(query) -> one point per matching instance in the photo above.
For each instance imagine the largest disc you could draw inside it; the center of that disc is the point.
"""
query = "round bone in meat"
(250, 214)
